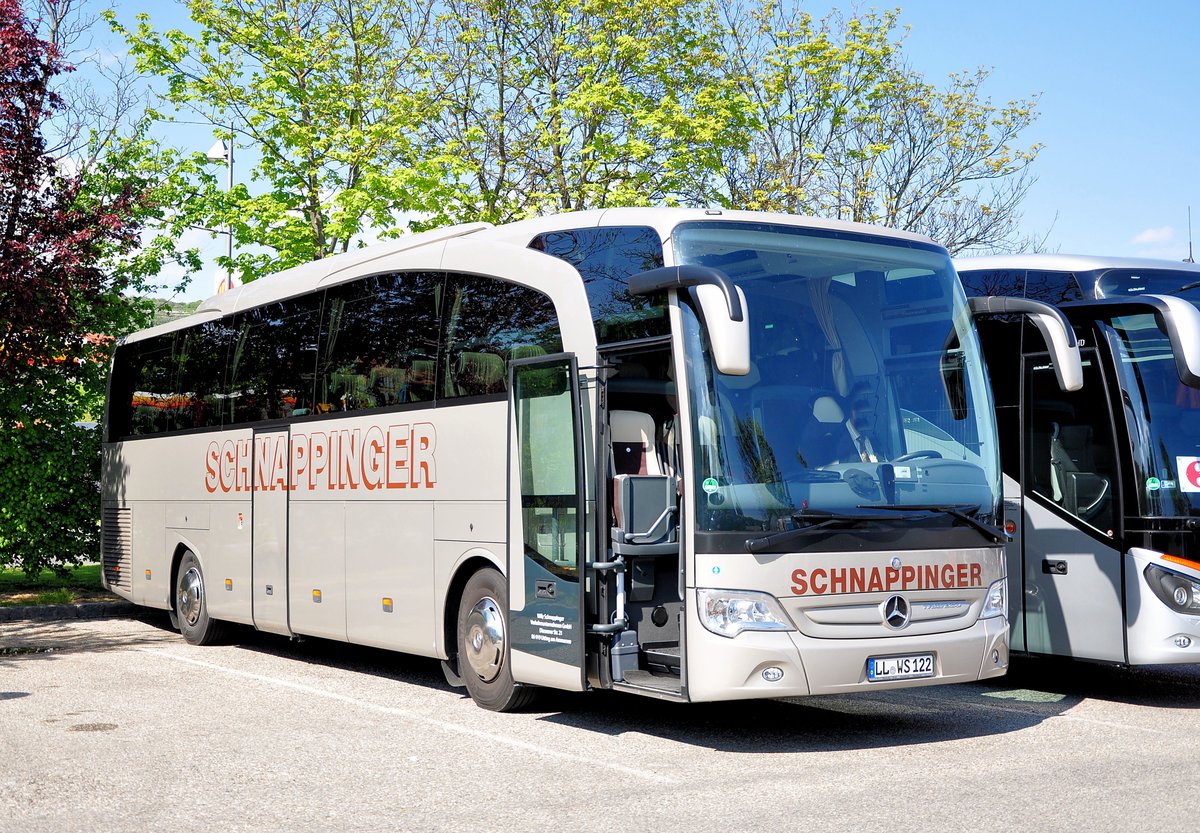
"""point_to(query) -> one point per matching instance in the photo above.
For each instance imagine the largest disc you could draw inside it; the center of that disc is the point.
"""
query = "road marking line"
(445, 726)
(1096, 722)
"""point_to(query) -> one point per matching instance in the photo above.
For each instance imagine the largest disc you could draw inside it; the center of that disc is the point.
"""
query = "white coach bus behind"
(1102, 484)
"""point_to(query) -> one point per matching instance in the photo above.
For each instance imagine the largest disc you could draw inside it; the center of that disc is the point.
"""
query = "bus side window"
(378, 343)
(605, 258)
(984, 282)
(272, 361)
(489, 322)
(201, 375)
(151, 372)
(1052, 287)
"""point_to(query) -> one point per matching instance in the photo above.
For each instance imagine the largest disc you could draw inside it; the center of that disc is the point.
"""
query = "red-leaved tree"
(55, 235)
(62, 233)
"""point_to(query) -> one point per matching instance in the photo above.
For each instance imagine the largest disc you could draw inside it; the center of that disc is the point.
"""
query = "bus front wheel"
(483, 658)
(191, 606)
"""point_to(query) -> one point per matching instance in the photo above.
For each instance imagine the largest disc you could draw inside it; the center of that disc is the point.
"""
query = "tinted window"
(490, 322)
(379, 342)
(984, 282)
(369, 344)
(272, 361)
(1113, 283)
(201, 375)
(606, 258)
(1052, 287)
(141, 395)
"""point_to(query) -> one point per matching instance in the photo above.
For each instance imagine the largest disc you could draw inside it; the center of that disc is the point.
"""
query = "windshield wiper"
(958, 512)
(816, 520)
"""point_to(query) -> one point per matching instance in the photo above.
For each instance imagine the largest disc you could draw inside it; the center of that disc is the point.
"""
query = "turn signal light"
(1175, 559)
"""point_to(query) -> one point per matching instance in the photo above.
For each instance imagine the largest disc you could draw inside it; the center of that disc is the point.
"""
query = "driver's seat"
(827, 437)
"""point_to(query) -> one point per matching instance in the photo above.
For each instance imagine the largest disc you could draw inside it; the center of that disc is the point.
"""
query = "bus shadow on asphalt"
(1152, 686)
(1035, 690)
(811, 724)
(361, 659)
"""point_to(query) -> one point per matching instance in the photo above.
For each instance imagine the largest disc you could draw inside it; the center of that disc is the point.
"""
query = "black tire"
(483, 657)
(190, 605)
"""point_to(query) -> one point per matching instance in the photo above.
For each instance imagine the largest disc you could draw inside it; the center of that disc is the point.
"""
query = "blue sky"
(1118, 111)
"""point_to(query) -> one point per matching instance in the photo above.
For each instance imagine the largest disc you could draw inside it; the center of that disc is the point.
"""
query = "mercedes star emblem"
(896, 612)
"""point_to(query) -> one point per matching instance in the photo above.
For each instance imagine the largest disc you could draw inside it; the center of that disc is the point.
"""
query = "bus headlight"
(995, 603)
(729, 612)
(1176, 591)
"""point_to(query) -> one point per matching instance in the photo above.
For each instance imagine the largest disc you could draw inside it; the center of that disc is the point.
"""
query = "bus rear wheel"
(483, 657)
(191, 605)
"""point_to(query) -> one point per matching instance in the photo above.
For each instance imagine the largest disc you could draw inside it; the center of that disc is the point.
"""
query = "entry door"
(271, 476)
(546, 523)
(1073, 590)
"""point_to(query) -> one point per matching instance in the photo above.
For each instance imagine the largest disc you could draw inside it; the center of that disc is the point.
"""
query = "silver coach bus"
(1102, 484)
(695, 455)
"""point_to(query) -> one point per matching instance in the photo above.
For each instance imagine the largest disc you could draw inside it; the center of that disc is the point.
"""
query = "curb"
(84, 610)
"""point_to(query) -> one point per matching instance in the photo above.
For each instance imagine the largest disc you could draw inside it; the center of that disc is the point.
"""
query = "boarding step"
(661, 656)
(649, 681)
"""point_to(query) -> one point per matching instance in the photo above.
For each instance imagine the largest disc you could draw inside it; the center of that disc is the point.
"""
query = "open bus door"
(1072, 583)
(546, 515)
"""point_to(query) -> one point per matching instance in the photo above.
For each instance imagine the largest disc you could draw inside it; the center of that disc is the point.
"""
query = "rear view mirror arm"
(1053, 325)
(679, 277)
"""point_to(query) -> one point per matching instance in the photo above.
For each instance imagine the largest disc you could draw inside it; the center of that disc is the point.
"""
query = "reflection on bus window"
(866, 383)
(1164, 415)
(1070, 459)
(605, 259)
(490, 322)
(379, 342)
(272, 361)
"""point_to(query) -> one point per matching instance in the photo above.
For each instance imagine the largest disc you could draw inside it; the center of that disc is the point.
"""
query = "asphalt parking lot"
(119, 725)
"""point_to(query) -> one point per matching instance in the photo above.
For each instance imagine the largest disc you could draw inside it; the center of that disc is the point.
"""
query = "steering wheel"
(918, 455)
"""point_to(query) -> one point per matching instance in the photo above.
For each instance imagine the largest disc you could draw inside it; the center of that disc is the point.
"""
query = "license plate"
(899, 668)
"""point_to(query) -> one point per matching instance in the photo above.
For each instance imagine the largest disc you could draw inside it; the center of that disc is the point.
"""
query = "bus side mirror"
(730, 340)
(722, 308)
(1177, 317)
(1051, 323)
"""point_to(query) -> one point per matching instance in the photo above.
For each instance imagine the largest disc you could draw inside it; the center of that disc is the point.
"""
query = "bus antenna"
(1189, 257)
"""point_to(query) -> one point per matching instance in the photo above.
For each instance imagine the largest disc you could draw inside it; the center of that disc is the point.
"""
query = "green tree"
(947, 165)
(322, 93)
(843, 127)
(559, 105)
(811, 87)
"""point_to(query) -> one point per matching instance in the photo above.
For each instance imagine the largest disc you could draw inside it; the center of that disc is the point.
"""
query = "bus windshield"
(866, 386)
(1117, 283)
(1164, 417)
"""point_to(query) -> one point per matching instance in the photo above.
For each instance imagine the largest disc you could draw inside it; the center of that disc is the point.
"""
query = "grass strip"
(79, 584)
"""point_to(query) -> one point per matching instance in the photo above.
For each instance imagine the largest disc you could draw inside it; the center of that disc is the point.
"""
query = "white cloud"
(1155, 236)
